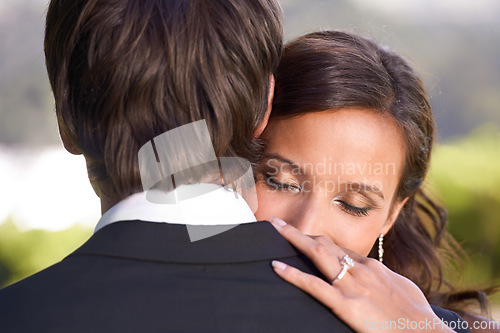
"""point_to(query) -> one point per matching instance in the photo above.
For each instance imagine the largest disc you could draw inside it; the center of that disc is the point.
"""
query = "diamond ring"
(346, 263)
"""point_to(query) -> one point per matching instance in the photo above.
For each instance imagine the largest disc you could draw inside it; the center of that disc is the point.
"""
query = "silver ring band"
(346, 263)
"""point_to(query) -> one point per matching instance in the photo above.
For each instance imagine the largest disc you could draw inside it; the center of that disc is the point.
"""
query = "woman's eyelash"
(357, 211)
(274, 184)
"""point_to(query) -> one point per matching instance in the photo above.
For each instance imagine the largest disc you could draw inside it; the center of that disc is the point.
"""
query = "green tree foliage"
(465, 176)
(25, 253)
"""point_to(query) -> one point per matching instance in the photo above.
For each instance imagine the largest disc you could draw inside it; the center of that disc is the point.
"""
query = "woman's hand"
(369, 297)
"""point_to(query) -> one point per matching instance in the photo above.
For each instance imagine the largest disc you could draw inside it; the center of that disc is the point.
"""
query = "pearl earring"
(381, 248)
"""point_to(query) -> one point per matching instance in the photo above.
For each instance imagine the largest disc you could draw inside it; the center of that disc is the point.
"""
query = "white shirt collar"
(218, 206)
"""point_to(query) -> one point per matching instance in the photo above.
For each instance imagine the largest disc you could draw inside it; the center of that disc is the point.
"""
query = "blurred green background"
(465, 178)
(454, 44)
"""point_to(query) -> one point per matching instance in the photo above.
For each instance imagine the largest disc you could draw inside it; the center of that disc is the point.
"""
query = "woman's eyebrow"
(278, 157)
(356, 187)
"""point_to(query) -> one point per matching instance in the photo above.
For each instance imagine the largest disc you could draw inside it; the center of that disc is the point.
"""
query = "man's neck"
(108, 202)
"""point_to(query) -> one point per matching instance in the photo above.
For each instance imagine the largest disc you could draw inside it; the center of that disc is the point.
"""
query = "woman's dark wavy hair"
(332, 70)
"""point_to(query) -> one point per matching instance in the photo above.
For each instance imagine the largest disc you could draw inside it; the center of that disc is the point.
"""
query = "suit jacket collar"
(166, 242)
(202, 204)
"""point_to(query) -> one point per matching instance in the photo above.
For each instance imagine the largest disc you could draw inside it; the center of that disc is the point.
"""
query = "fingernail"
(278, 265)
(278, 221)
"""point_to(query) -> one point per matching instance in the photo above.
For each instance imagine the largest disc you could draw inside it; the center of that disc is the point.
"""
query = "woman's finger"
(313, 285)
(306, 243)
(366, 267)
(325, 256)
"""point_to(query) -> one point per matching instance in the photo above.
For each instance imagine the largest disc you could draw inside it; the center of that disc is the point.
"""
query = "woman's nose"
(309, 216)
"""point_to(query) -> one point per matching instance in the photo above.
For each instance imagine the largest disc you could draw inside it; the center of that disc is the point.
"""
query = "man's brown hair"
(125, 71)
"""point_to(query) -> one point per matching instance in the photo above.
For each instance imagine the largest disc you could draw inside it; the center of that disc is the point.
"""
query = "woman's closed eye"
(281, 184)
(353, 210)
(355, 203)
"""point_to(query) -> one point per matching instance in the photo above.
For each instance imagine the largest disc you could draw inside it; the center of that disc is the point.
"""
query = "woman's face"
(333, 173)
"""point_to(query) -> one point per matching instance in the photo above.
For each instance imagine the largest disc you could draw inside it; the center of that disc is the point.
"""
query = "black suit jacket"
(137, 276)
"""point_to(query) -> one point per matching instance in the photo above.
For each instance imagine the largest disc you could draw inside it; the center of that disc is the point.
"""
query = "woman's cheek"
(356, 234)
(267, 203)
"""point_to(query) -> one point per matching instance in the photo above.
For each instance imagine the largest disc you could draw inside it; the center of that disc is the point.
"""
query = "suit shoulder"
(452, 319)
(43, 281)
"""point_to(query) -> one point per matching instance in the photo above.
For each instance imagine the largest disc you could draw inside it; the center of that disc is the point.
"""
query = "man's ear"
(68, 143)
(270, 95)
(391, 219)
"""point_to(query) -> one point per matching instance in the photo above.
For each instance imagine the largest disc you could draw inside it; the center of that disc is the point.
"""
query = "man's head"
(125, 71)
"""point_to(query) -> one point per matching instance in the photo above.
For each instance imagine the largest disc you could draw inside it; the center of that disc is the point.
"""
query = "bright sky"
(454, 11)
(46, 189)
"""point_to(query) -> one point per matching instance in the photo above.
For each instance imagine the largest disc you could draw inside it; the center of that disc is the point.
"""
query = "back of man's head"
(125, 71)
